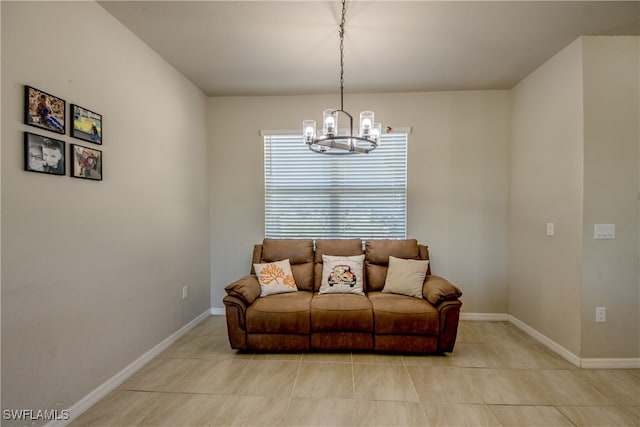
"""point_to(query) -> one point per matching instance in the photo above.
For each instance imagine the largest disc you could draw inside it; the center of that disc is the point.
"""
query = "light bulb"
(366, 123)
(330, 122)
(308, 130)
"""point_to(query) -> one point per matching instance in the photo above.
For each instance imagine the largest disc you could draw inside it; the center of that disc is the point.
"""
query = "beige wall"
(574, 150)
(457, 183)
(0, 207)
(92, 271)
(546, 161)
(611, 138)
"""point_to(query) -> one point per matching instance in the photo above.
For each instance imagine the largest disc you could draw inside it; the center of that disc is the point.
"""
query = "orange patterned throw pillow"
(275, 278)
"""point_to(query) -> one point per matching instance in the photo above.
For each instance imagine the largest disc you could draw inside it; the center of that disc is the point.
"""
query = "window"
(314, 196)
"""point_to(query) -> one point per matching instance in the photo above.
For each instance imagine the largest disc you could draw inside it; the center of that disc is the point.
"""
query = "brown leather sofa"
(308, 321)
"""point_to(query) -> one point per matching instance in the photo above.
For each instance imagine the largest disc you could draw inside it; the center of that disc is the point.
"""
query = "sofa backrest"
(344, 247)
(299, 252)
(377, 253)
(306, 262)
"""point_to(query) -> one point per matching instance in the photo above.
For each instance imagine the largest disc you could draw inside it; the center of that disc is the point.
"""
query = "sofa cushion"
(343, 275)
(405, 276)
(341, 312)
(377, 258)
(297, 251)
(379, 251)
(340, 341)
(275, 278)
(281, 313)
(375, 275)
(338, 247)
(402, 315)
(424, 254)
(300, 254)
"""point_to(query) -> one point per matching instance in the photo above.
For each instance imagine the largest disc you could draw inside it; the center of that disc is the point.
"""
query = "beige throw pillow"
(405, 276)
(275, 278)
(342, 275)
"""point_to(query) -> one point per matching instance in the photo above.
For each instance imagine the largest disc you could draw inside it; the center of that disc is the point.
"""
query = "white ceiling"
(292, 47)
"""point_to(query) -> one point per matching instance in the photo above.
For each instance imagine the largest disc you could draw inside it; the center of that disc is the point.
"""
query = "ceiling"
(229, 48)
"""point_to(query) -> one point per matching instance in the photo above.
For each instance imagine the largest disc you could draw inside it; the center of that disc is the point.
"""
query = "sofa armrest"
(247, 289)
(236, 312)
(437, 289)
(449, 319)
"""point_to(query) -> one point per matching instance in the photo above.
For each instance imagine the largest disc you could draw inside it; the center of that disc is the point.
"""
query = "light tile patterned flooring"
(496, 376)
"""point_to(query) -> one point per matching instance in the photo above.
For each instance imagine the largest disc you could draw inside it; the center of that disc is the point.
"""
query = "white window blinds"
(310, 195)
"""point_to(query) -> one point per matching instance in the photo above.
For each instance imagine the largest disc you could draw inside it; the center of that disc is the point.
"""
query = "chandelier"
(330, 141)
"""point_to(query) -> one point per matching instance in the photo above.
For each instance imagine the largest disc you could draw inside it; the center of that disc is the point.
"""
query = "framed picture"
(44, 110)
(86, 162)
(86, 124)
(43, 154)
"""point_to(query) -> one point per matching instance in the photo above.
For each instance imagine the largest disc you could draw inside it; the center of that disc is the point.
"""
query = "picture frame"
(86, 163)
(86, 124)
(44, 155)
(44, 111)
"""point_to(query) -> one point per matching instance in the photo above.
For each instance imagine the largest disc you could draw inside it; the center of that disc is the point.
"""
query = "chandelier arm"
(345, 143)
(350, 120)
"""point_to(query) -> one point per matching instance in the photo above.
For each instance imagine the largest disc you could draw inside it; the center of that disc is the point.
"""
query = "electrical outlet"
(601, 314)
(185, 291)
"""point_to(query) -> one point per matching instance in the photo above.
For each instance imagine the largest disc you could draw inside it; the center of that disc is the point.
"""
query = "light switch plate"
(604, 231)
(550, 229)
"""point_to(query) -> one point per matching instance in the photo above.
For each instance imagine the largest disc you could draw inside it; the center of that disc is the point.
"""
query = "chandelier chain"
(342, 55)
(330, 141)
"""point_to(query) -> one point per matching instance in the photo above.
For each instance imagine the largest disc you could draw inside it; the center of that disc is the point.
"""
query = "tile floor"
(496, 376)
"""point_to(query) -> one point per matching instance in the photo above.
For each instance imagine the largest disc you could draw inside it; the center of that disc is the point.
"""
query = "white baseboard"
(504, 317)
(585, 363)
(547, 342)
(218, 311)
(610, 363)
(485, 317)
(111, 384)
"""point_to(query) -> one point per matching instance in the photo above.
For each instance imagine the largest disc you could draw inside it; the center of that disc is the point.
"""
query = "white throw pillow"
(275, 278)
(405, 276)
(342, 275)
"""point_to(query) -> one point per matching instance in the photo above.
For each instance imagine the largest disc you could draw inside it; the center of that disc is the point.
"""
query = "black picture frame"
(86, 124)
(44, 111)
(86, 163)
(44, 155)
